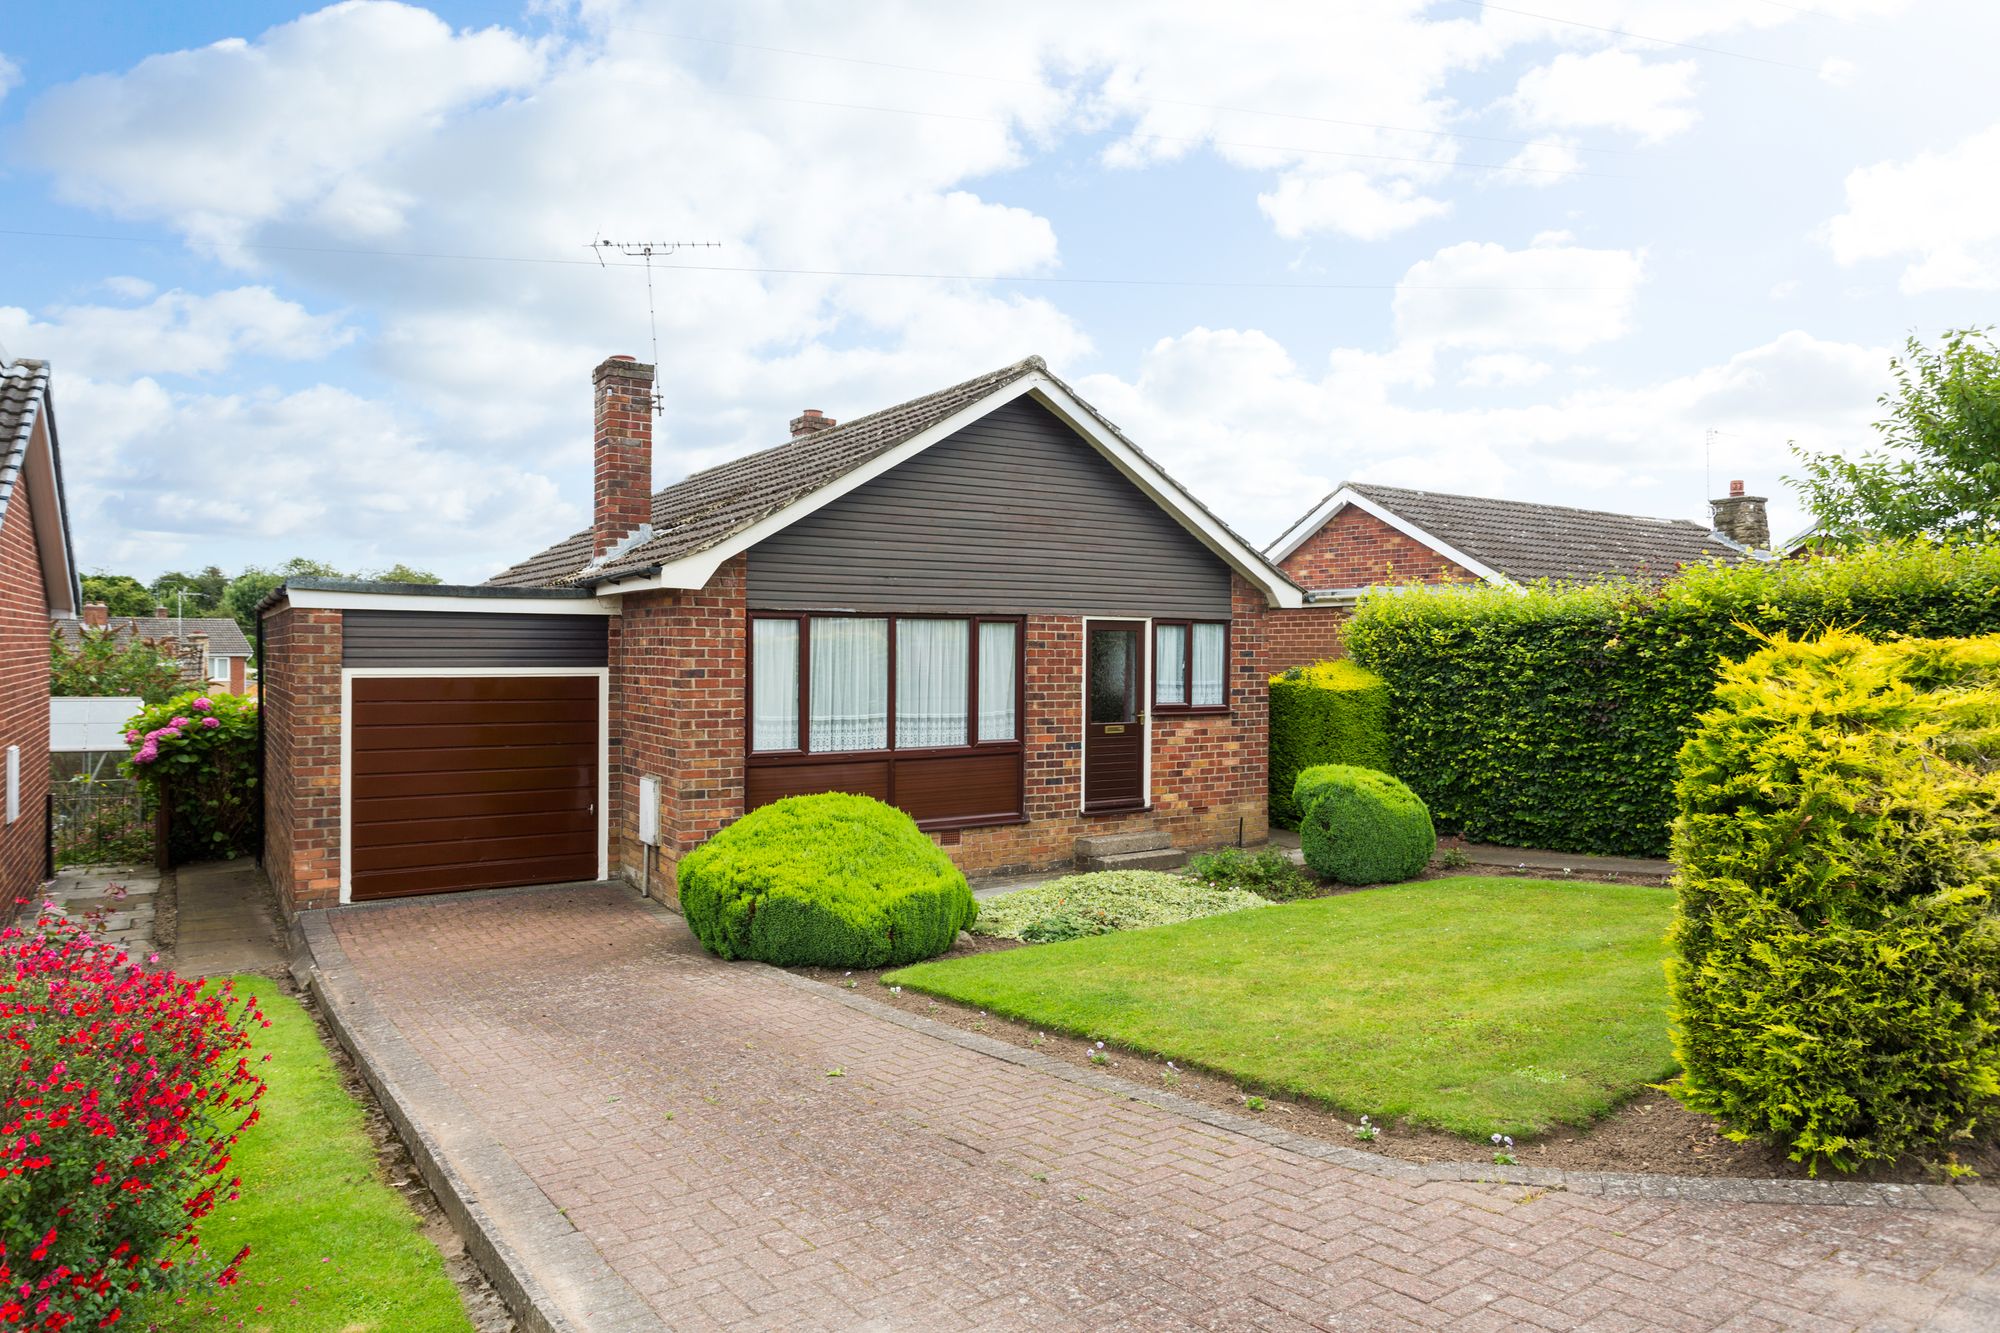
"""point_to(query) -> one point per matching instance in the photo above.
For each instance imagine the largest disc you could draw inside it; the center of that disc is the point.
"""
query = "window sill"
(1092, 811)
(1169, 714)
(970, 822)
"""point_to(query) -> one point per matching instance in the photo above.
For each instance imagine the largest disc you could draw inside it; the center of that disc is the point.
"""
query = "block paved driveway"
(678, 1109)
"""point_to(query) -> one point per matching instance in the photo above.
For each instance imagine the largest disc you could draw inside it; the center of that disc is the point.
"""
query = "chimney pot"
(96, 614)
(623, 451)
(161, 613)
(810, 420)
(1736, 488)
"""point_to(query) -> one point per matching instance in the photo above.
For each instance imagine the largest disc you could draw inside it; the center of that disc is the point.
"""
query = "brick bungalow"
(986, 606)
(38, 580)
(1363, 537)
(210, 649)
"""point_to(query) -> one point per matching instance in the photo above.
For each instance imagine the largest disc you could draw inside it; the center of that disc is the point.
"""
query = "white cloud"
(1939, 209)
(177, 333)
(10, 75)
(1609, 89)
(1836, 70)
(1503, 370)
(1347, 202)
(1553, 294)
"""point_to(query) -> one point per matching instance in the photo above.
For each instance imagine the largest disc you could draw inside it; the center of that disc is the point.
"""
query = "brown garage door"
(472, 782)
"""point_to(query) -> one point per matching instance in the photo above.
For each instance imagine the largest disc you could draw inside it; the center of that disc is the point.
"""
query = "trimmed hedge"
(1327, 713)
(1102, 901)
(1362, 826)
(828, 880)
(1836, 978)
(1551, 717)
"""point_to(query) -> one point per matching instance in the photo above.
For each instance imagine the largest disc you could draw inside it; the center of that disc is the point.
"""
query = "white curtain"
(850, 685)
(932, 659)
(774, 684)
(1208, 666)
(997, 657)
(1170, 664)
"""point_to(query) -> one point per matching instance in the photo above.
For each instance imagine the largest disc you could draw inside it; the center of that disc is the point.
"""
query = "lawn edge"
(471, 1176)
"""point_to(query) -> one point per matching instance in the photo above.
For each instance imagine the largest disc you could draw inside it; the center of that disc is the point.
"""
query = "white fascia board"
(313, 599)
(1295, 536)
(44, 499)
(1347, 495)
(696, 570)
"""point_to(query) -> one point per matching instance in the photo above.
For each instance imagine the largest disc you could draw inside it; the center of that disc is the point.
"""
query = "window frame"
(1188, 708)
(800, 754)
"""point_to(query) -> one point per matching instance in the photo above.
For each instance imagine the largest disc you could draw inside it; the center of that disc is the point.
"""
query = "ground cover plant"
(828, 880)
(1103, 901)
(1327, 713)
(1362, 826)
(1837, 949)
(1473, 1005)
(1552, 716)
(333, 1248)
(1268, 873)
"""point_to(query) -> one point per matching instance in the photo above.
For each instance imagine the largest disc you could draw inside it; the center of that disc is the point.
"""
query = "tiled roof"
(225, 636)
(1526, 541)
(22, 384)
(711, 506)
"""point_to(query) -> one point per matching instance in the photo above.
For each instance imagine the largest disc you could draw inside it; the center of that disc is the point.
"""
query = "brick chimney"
(193, 655)
(96, 615)
(624, 451)
(1741, 518)
(161, 613)
(810, 420)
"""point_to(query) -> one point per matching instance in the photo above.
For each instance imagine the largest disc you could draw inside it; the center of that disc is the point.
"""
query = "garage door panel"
(472, 782)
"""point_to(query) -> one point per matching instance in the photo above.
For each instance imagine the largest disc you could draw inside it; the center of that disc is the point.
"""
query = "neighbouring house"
(1365, 537)
(985, 605)
(38, 579)
(211, 650)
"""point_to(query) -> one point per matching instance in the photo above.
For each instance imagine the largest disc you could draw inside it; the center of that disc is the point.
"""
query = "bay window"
(1190, 666)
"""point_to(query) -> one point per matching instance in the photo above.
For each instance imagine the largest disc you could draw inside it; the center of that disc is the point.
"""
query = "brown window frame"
(801, 754)
(1188, 708)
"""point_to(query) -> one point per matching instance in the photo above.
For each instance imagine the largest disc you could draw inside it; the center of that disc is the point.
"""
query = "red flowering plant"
(122, 1099)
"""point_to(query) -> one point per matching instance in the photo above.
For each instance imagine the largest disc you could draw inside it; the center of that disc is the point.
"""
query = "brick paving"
(679, 1110)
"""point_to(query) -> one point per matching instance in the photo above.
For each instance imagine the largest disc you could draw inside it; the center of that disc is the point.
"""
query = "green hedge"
(1362, 826)
(1551, 717)
(1327, 713)
(1836, 969)
(829, 880)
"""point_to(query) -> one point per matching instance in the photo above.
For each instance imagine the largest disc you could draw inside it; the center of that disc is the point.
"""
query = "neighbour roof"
(225, 636)
(1523, 541)
(24, 399)
(22, 384)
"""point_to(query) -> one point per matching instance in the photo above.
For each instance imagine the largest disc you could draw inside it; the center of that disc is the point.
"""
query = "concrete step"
(1117, 844)
(1152, 858)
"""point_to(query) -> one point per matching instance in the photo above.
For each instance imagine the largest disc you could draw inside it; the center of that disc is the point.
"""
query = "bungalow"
(1364, 536)
(38, 580)
(211, 650)
(985, 605)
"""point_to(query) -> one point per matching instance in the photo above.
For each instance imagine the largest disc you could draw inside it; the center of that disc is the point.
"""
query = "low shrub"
(828, 880)
(1327, 713)
(1268, 874)
(1836, 969)
(1103, 901)
(1362, 826)
(197, 753)
(125, 1092)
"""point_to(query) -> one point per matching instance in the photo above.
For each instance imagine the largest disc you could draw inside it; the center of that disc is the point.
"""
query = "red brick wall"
(300, 698)
(24, 702)
(1308, 634)
(1354, 549)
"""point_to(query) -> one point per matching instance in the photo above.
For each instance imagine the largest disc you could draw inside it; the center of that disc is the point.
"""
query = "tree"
(204, 591)
(100, 665)
(1939, 476)
(123, 594)
(401, 573)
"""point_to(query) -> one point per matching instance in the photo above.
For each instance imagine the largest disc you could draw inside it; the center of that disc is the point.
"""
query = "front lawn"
(332, 1247)
(1475, 1005)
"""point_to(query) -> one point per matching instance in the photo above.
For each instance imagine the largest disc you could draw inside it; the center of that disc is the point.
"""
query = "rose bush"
(124, 1094)
(198, 754)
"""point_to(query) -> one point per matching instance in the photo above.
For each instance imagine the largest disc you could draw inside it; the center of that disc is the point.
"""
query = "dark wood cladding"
(938, 790)
(471, 639)
(471, 782)
(1014, 514)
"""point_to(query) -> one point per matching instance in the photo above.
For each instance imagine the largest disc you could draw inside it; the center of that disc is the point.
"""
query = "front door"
(1114, 716)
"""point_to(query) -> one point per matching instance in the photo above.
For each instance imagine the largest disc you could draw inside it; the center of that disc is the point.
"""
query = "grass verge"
(332, 1246)
(1474, 1005)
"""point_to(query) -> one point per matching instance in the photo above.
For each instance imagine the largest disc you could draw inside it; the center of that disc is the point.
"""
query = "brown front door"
(471, 782)
(1114, 715)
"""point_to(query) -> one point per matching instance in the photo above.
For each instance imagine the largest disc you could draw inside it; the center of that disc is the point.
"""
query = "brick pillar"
(623, 451)
(300, 699)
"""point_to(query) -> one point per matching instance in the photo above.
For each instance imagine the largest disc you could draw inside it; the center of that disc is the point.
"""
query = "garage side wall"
(300, 698)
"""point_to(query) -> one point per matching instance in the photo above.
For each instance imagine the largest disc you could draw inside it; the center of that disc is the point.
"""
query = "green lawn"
(332, 1247)
(1473, 1005)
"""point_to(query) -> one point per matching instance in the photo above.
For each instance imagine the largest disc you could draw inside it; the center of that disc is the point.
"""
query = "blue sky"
(1444, 244)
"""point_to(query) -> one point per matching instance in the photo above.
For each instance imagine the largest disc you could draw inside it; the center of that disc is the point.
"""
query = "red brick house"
(1364, 537)
(985, 606)
(211, 649)
(38, 580)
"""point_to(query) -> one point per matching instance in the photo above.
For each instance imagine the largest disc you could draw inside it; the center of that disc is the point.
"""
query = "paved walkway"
(225, 920)
(683, 1114)
(114, 903)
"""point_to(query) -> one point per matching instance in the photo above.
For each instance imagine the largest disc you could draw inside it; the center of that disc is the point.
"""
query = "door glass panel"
(1111, 675)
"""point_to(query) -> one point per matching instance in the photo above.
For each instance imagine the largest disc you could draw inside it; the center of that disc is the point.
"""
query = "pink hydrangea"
(170, 733)
(180, 722)
(201, 705)
(134, 737)
(211, 722)
(147, 753)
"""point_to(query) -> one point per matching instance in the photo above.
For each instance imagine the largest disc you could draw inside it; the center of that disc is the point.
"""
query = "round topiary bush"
(1361, 826)
(829, 880)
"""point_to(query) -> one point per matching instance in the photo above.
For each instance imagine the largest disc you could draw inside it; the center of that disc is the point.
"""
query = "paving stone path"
(114, 903)
(685, 1115)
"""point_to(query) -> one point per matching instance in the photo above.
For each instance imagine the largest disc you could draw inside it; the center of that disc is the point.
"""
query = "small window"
(998, 652)
(774, 685)
(850, 685)
(931, 683)
(218, 669)
(1190, 666)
